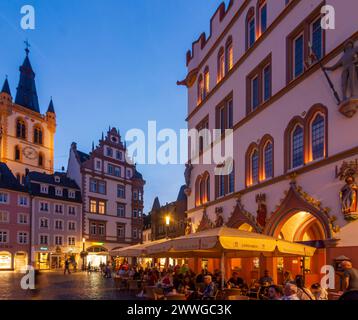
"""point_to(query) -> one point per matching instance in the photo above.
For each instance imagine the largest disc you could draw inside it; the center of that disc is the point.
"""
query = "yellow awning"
(234, 243)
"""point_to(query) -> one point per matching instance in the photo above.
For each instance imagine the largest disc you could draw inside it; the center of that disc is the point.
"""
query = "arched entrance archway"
(300, 218)
(300, 226)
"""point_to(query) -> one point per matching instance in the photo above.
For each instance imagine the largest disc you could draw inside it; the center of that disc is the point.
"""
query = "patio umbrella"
(227, 243)
(138, 250)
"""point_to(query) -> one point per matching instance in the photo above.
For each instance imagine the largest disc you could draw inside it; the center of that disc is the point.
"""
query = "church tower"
(26, 135)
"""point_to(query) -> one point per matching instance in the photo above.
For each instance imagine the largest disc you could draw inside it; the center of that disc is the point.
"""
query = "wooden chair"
(232, 292)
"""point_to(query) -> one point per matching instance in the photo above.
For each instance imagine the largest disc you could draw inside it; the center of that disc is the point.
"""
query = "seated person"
(209, 290)
(319, 292)
(200, 277)
(235, 281)
(275, 293)
(266, 280)
(166, 280)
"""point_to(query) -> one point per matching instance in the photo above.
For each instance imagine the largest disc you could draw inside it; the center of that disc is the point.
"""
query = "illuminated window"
(206, 82)
(93, 206)
(71, 241)
(221, 64)
(229, 55)
(263, 18)
(101, 207)
(201, 89)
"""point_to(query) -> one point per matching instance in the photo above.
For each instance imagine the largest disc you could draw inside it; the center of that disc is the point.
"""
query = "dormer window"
(72, 194)
(44, 189)
(57, 179)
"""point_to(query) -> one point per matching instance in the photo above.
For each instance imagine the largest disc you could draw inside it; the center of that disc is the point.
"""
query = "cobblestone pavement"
(56, 286)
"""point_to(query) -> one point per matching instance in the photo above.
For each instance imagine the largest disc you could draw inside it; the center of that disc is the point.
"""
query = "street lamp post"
(167, 223)
(83, 254)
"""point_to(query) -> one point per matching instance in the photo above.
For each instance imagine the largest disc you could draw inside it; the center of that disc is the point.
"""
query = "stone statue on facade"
(219, 221)
(348, 195)
(188, 227)
(187, 173)
(187, 176)
(349, 79)
(261, 210)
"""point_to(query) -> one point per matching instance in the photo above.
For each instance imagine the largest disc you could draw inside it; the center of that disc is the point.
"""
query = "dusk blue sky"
(108, 62)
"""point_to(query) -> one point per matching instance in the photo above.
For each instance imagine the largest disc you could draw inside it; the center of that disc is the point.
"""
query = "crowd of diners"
(181, 280)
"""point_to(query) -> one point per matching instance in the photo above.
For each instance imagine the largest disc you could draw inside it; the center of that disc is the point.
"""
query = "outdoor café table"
(232, 292)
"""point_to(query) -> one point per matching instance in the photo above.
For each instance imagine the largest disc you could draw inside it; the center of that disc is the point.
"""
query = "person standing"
(303, 293)
(350, 276)
(67, 266)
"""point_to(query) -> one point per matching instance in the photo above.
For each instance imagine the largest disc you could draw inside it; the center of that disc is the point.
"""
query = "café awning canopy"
(138, 250)
(233, 243)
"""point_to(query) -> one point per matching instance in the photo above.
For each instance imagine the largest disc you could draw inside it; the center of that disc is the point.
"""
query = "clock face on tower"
(30, 153)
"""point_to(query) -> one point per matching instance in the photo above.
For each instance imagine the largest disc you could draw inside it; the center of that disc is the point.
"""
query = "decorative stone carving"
(349, 192)
(188, 227)
(261, 210)
(187, 175)
(205, 223)
(219, 221)
(349, 82)
(240, 216)
(295, 197)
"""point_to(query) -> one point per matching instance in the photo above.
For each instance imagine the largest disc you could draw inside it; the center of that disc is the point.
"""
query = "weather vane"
(27, 44)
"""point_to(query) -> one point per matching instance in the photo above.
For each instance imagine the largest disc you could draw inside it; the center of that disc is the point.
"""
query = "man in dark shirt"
(235, 281)
(350, 276)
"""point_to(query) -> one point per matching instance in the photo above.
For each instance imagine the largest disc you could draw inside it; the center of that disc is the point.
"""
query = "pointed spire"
(26, 95)
(92, 146)
(6, 87)
(102, 136)
(51, 108)
(156, 204)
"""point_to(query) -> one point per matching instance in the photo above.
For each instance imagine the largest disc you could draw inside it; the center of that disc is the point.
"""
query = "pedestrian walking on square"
(67, 267)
